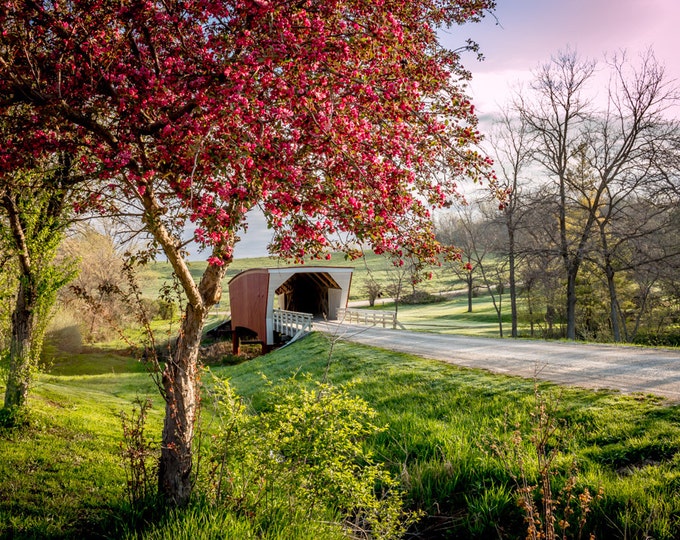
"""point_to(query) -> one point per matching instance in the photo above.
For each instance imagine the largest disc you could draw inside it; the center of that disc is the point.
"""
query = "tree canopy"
(343, 120)
(334, 116)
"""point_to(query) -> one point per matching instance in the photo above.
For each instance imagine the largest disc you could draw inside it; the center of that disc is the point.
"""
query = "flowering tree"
(340, 119)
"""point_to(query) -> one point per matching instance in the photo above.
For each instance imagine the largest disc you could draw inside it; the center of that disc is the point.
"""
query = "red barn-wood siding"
(248, 299)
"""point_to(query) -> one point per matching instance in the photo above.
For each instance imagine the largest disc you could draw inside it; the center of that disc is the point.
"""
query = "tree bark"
(181, 374)
(468, 279)
(613, 303)
(512, 281)
(22, 347)
(181, 383)
(572, 273)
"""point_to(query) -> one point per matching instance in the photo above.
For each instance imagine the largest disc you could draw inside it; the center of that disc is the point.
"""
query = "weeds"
(139, 455)
(549, 514)
(14, 418)
(304, 456)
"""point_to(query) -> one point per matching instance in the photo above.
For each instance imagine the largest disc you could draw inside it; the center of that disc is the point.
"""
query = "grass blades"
(62, 476)
(442, 421)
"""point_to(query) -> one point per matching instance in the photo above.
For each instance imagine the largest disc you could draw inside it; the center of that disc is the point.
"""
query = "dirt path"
(627, 369)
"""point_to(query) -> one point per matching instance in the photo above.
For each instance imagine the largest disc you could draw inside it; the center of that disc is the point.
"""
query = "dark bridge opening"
(308, 293)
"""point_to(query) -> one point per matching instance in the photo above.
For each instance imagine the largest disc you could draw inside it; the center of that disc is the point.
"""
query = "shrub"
(167, 309)
(421, 297)
(303, 457)
(554, 505)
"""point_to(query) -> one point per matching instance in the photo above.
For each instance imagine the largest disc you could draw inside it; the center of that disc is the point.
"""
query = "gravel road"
(627, 369)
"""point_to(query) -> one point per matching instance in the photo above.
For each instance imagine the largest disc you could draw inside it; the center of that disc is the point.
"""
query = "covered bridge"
(277, 302)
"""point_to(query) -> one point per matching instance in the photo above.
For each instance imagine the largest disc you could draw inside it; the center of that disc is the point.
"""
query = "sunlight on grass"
(62, 477)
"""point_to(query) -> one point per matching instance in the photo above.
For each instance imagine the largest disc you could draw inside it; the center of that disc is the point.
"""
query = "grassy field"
(153, 276)
(62, 477)
(451, 316)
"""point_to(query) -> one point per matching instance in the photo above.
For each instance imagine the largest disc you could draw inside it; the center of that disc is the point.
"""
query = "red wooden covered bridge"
(279, 304)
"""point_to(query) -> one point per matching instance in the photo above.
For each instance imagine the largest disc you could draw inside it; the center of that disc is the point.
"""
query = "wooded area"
(589, 234)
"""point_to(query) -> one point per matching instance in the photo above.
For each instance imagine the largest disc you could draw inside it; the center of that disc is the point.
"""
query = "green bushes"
(299, 468)
(303, 454)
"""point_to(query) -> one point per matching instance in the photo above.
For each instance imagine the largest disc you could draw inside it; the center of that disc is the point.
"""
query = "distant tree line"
(587, 241)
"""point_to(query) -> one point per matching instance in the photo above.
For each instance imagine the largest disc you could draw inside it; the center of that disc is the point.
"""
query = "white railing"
(368, 316)
(292, 323)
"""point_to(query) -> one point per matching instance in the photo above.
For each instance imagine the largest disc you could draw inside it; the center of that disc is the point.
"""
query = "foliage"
(61, 476)
(305, 450)
(8, 288)
(549, 512)
(437, 415)
(215, 105)
(100, 277)
(420, 298)
(344, 120)
(139, 456)
(35, 211)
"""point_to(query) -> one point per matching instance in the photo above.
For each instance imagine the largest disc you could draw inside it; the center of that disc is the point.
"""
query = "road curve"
(624, 368)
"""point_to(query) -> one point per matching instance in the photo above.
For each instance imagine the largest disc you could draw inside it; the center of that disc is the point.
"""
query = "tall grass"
(62, 476)
(441, 419)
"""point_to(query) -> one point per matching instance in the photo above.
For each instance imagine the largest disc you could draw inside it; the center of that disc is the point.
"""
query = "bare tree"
(477, 232)
(456, 228)
(511, 144)
(626, 146)
(556, 116)
(597, 159)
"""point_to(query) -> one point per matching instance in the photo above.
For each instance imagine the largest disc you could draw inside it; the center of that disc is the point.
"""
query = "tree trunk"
(181, 385)
(182, 394)
(513, 285)
(613, 304)
(22, 347)
(469, 291)
(571, 301)
(499, 312)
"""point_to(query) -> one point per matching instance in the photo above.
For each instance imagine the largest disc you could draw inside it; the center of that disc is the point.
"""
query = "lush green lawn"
(451, 316)
(62, 477)
(153, 276)
(443, 420)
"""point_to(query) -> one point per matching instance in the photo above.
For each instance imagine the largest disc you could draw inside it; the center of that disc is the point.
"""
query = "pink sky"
(530, 31)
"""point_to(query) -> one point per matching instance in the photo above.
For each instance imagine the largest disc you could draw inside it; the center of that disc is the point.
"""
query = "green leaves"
(305, 452)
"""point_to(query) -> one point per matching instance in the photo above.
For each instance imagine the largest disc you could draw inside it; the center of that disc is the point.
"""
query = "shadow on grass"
(64, 354)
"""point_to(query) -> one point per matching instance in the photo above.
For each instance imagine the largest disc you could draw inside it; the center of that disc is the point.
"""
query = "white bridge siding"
(336, 297)
(291, 323)
(368, 316)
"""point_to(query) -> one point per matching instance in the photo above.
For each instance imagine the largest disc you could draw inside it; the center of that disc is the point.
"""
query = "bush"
(421, 297)
(14, 418)
(167, 310)
(303, 458)
(664, 339)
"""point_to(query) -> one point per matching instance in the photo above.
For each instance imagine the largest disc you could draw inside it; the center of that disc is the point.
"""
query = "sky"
(524, 34)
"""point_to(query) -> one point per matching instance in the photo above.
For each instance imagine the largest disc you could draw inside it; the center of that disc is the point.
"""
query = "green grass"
(153, 276)
(62, 476)
(441, 421)
(451, 316)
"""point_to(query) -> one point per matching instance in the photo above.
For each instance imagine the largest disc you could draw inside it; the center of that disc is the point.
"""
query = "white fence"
(368, 316)
(292, 323)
